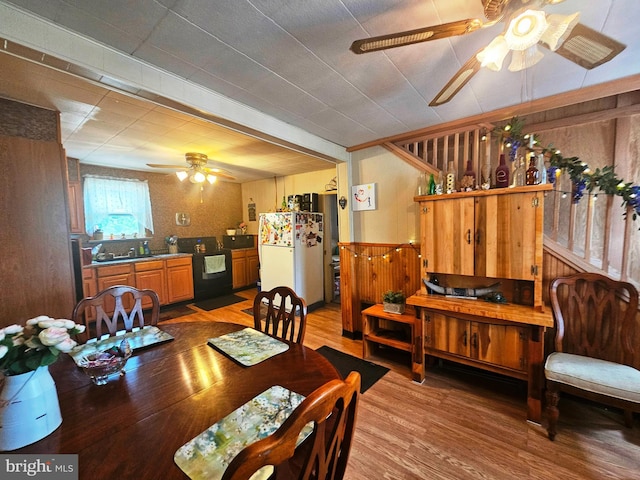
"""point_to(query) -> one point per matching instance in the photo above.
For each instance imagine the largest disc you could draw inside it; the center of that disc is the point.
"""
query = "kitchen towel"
(214, 264)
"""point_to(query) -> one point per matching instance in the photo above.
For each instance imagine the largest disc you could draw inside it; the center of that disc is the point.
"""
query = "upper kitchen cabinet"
(74, 189)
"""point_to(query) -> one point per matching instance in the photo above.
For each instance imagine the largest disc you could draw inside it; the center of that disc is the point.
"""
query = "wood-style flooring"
(462, 423)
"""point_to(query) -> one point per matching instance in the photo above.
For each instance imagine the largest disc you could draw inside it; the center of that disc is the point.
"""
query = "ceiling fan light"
(493, 54)
(560, 27)
(211, 179)
(521, 59)
(526, 29)
(197, 177)
(182, 175)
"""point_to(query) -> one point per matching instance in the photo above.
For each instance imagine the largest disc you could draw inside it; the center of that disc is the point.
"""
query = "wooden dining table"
(131, 427)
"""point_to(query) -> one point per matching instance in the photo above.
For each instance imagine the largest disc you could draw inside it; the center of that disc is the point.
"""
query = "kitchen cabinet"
(152, 275)
(179, 279)
(89, 288)
(171, 278)
(245, 267)
(75, 198)
(239, 268)
(108, 276)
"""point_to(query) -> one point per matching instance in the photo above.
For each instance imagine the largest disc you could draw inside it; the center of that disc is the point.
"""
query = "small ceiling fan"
(196, 171)
(527, 27)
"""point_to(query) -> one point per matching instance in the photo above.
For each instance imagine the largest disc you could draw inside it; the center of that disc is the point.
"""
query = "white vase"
(29, 408)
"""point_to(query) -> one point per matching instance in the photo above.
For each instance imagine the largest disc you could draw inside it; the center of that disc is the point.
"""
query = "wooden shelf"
(374, 335)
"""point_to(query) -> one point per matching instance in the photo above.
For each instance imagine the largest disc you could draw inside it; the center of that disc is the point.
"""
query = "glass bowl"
(100, 365)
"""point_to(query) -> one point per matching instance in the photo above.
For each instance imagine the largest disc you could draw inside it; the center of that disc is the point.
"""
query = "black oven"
(212, 276)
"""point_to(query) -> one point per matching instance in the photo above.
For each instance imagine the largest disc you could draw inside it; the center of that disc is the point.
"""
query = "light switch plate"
(183, 219)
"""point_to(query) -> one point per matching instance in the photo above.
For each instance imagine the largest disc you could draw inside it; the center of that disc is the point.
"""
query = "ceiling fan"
(196, 171)
(528, 26)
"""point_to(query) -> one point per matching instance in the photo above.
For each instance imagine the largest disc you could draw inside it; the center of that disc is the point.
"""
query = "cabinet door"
(503, 345)
(179, 282)
(76, 208)
(154, 280)
(448, 236)
(506, 239)
(112, 280)
(447, 334)
(239, 272)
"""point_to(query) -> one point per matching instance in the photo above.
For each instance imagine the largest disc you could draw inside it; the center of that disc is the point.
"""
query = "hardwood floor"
(463, 423)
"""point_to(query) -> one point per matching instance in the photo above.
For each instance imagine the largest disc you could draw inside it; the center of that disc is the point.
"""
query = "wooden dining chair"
(116, 308)
(281, 313)
(332, 410)
(594, 358)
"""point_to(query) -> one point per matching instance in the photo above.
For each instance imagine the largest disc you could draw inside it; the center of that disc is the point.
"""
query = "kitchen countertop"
(163, 256)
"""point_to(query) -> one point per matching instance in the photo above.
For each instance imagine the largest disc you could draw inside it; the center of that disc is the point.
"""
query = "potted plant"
(393, 301)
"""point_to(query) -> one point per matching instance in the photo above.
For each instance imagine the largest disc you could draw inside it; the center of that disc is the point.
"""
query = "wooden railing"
(595, 234)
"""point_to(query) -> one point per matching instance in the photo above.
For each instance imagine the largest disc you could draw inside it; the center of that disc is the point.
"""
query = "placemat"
(137, 338)
(248, 346)
(208, 455)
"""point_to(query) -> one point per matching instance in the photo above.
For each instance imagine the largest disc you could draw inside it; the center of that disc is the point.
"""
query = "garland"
(582, 177)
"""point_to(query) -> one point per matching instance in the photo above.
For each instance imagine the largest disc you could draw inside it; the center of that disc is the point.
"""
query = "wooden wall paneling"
(368, 270)
(36, 268)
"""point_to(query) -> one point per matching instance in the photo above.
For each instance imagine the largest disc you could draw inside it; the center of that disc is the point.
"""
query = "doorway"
(329, 207)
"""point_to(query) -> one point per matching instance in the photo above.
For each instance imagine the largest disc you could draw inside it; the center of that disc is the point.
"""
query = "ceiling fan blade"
(458, 81)
(160, 165)
(410, 37)
(218, 172)
(589, 48)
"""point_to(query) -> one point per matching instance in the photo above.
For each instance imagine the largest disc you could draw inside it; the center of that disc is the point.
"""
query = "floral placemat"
(208, 455)
(138, 338)
(248, 346)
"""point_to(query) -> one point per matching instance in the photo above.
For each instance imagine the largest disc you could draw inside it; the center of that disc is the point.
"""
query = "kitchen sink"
(120, 258)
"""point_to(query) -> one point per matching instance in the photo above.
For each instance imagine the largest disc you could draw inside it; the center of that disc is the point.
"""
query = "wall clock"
(183, 219)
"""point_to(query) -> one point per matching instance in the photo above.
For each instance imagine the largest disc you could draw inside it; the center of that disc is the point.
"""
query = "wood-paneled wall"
(36, 273)
(368, 270)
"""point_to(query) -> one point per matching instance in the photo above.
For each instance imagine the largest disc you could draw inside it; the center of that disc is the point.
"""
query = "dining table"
(131, 427)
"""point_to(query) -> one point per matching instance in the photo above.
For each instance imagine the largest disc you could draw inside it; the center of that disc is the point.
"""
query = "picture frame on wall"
(363, 197)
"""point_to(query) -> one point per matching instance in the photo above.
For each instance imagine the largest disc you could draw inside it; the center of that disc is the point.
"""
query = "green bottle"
(432, 185)
(284, 204)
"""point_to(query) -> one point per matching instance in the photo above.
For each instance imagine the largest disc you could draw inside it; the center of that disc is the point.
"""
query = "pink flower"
(66, 345)
(53, 335)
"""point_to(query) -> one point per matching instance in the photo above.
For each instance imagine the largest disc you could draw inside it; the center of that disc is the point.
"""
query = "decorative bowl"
(100, 365)
(231, 232)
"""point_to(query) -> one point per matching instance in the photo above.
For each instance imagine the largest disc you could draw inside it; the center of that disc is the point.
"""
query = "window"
(117, 206)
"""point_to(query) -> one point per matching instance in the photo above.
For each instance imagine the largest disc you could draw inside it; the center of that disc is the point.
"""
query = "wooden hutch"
(475, 239)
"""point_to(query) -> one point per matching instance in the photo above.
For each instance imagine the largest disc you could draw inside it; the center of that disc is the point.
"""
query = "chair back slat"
(116, 308)
(595, 317)
(281, 313)
(332, 410)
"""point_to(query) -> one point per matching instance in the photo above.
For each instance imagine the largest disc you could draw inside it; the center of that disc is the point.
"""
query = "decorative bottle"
(542, 169)
(532, 172)
(502, 173)
(520, 174)
(469, 178)
(450, 183)
(422, 187)
(432, 185)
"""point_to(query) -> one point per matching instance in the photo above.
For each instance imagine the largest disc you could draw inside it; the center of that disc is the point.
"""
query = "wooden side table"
(402, 338)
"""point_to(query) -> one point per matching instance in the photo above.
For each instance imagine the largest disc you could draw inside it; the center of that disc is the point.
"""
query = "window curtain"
(104, 196)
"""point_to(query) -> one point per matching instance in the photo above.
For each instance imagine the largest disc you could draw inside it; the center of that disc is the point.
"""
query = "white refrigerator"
(291, 253)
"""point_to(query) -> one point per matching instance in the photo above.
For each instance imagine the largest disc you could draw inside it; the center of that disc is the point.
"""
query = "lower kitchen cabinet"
(170, 278)
(111, 275)
(179, 279)
(152, 275)
(245, 267)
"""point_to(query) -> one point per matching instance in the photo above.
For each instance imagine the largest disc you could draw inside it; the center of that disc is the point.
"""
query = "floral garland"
(582, 177)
